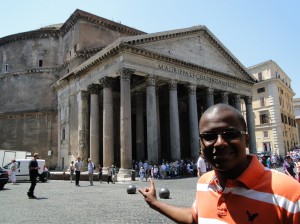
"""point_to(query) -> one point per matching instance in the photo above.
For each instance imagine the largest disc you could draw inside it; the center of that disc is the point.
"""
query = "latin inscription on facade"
(198, 77)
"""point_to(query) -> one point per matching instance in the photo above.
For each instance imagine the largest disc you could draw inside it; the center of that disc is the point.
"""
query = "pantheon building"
(96, 88)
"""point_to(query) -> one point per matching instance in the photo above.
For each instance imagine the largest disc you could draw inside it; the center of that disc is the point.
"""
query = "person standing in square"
(78, 165)
(33, 174)
(91, 168)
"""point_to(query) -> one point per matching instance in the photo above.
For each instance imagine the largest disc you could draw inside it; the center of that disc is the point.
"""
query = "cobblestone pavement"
(62, 202)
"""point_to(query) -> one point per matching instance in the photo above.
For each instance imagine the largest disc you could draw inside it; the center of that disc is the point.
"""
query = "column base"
(124, 173)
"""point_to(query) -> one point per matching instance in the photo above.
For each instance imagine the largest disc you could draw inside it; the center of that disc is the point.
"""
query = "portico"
(146, 95)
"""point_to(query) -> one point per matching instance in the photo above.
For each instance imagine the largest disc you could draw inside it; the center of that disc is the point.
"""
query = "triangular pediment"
(198, 46)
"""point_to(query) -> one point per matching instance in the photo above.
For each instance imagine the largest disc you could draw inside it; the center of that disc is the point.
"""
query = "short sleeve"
(195, 211)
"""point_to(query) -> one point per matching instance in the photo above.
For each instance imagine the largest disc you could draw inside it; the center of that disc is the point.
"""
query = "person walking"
(288, 167)
(13, 171)
(238, 189)
(109, 174)
(71, 169)
(201, 165)
(114, 174)
(33, 174)
(91, 168)
(142, 173)
(274, 161)
(77, 165)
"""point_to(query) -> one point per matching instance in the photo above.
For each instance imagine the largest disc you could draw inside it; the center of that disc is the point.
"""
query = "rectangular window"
(285, 119)
(262, 101)
(282, 118)
(259, 75)
(263, 118)
(6, 68)
(261, 90)
(63, 134)
(40, 63)
(265, 134)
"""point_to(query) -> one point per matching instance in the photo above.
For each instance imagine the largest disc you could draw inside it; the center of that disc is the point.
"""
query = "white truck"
(7, 155)
(23, 170)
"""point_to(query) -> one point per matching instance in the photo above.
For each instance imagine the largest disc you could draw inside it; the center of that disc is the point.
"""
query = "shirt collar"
(252, 174)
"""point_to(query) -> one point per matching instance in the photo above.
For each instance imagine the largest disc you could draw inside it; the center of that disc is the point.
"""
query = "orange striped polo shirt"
(258, 195)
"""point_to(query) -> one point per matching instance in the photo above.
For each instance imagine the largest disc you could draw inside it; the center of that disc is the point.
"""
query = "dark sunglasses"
(226, 135)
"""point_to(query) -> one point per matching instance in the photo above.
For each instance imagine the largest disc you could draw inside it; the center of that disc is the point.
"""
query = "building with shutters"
(275, 124)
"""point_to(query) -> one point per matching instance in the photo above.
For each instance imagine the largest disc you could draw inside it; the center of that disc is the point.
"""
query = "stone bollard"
(131, 189)
(164, 193)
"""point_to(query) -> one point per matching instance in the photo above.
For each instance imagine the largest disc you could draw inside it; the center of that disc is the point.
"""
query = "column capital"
(94, 88)
(248, 99)
(192, 89)
(237, 98)
(106, 82)
(151, 80)
(224, 96)
(173, 85)
(210, 91)
(125, 73)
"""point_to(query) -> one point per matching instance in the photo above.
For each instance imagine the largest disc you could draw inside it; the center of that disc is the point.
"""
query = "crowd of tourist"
(164, 170)
(289, 163)
(189, 168)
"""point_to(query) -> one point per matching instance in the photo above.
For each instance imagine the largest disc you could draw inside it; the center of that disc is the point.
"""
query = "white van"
(23, 170)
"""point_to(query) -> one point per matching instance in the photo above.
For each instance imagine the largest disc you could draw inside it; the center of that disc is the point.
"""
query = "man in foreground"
(33, 174)
(238, 189)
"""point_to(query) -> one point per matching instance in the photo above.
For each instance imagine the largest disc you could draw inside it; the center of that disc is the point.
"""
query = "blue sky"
(254, 31)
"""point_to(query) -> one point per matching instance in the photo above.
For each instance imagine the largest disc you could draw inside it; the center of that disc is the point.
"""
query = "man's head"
(288, 158)
(36, 156)
(223, 137)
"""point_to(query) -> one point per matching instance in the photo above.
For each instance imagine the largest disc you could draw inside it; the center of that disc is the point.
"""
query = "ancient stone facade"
(125, 95)
(30, 63)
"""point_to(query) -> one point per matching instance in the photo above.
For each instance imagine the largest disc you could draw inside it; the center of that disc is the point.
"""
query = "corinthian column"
(94, 122)
(158, 123)
(193, 120)
(209, 97)
(174, 121)
(140, 149)
(108, 129)
(237, 102)
(250, 124)
(224, 96)
(151, 120)
(83, 119)
(125, 119)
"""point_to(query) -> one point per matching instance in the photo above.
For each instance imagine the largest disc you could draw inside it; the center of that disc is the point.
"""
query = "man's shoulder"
(207, 177)
(283, 184)
(32, 161)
